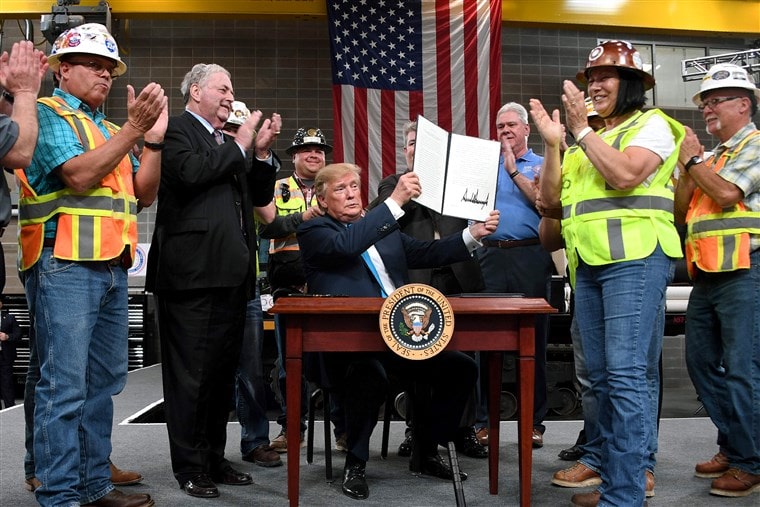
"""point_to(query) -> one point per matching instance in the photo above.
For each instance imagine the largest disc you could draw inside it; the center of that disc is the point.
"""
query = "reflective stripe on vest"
(296, 203)
(93, 225)
(602, 225)
(718, 240)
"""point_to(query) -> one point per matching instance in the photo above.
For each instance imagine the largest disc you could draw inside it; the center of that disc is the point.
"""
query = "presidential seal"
(416, 321)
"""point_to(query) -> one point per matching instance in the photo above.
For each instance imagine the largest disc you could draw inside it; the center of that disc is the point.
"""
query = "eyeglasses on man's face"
(711, 103)
(95, 67)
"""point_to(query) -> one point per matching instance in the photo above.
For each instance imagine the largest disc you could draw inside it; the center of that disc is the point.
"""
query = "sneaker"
(264, 456)
(340, 443)
(32, 483)
(280, 442)
(735, 483)
(538, 438)
(712, 469)
(482, 435)
(124, 477)
(577, 476)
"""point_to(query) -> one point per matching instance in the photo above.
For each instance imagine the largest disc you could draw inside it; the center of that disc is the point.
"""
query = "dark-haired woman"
(616, 198)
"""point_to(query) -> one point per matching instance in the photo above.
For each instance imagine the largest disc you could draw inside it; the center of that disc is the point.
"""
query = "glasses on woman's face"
(711, 103)
(95, 67)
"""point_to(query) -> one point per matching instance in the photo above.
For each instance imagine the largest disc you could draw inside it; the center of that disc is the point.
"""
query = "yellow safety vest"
(296, 202)
(602, 225)
(93, 225)
(718, 239)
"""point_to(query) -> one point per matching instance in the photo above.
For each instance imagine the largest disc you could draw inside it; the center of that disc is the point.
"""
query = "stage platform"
(144, 447)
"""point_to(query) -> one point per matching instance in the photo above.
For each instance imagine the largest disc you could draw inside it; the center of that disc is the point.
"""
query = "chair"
(325, 394)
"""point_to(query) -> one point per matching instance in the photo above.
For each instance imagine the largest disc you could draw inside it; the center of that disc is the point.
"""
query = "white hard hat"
(91, 39)
(725, 75)
(239, 113)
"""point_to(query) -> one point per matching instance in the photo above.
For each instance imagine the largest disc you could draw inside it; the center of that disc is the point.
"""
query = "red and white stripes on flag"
(395, 59)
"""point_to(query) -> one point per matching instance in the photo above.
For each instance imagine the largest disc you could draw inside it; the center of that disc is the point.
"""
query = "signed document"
(457, 173)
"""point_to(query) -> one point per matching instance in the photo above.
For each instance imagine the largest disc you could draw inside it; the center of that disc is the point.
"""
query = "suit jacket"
(9, 325)
(332, 253)
(421, 222)
(206, 190)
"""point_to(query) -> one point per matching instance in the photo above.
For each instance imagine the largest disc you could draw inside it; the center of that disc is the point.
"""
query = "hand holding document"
(457, 173)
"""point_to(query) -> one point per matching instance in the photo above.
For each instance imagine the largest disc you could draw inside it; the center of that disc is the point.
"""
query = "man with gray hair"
(202, 268)
(512, 258)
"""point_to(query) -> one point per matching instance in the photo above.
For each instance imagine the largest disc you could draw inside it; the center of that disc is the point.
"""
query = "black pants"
(201, 336)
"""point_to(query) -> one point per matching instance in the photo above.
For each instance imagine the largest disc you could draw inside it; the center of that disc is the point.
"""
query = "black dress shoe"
(116, 498)
(435, 466)
(467, 443)
(574, 453)
(355, 482)
(405, 449)
(201, 486)
(232, 477)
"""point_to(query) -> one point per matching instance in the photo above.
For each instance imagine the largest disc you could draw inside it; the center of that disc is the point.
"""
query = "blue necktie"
(373, 270)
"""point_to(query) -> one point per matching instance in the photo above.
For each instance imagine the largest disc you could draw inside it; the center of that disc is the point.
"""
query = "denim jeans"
(250, 391)
(617, 307)
(81, 323)
(32, 376)
(723, 358)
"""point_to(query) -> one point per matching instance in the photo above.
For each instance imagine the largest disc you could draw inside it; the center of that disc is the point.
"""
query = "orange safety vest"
(94, 225)
(718, 239)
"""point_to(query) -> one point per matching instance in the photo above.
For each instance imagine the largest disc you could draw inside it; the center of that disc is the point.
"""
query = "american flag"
(395, 59)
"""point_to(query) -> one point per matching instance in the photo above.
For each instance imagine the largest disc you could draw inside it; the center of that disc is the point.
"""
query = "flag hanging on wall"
(395, 59)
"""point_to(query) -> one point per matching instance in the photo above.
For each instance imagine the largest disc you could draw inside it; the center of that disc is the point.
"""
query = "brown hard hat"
(616, 53)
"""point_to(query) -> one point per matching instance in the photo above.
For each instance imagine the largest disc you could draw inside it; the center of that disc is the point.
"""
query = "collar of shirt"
(203, 121)
(75, 103)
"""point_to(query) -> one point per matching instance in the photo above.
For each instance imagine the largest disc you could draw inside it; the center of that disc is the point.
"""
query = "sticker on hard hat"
(307, 140)
(637, 60)
(72, 40)
(595, 53)
(721, 74)
(416, 321)
(110, 46)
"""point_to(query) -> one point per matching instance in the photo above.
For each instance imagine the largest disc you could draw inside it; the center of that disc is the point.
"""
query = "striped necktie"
(219, 137)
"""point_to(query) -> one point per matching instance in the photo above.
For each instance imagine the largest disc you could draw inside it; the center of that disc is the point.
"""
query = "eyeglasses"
(714, 102)
(96, 67)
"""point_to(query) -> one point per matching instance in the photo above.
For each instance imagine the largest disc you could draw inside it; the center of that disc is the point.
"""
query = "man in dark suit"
(10, 334)
(423, 223)
(332, 248)
(202, 267)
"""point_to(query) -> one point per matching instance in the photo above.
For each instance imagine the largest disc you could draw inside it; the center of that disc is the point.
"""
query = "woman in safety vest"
(616, 202)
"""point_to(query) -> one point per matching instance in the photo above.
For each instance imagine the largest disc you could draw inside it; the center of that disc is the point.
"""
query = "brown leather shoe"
(577, 476)
(735, 483)
(712, 469)
(118, 499)
(586, 499)
(649, 490)
(538, 438)
(32, 483)
(124, 477)
(482, 435)
(264, 456)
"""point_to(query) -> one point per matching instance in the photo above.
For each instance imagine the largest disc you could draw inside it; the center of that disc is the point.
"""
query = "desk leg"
(526, 380)
(494, 361)
(293, 372)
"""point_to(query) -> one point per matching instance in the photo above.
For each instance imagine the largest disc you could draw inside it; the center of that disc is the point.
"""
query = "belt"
(510, 243)
(116, 261)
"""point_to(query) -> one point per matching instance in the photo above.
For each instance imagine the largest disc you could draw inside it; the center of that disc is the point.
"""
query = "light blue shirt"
(519, 217)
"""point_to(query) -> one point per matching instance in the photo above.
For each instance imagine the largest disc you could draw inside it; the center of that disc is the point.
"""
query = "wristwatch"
(692, 161)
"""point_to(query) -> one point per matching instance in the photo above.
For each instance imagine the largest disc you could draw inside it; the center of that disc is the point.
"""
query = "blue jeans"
(592, 457)
(32, 376)
(723, 358)
(81, 323)
(617, 306)
(250, 391)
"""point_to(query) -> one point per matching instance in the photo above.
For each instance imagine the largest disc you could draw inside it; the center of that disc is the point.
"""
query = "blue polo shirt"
(519, 217)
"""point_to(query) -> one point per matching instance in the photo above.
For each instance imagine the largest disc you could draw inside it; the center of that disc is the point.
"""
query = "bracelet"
(514, 174)
(583, 133)
(154, 146)
(8, 97)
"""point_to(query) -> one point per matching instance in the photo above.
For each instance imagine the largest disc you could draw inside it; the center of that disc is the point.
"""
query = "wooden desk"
(487, 324)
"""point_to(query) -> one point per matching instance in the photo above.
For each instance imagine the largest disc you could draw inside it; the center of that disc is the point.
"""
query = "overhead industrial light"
(68, 14)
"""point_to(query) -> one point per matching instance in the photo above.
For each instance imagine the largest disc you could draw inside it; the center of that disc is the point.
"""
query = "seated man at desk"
(333, 248)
